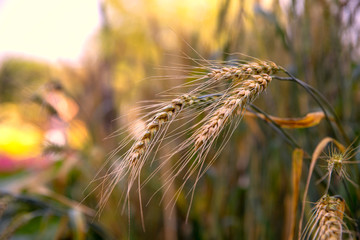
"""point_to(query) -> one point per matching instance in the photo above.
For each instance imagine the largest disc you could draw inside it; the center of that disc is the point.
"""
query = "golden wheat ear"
(241, 72)
(327, 222)
(231, 106)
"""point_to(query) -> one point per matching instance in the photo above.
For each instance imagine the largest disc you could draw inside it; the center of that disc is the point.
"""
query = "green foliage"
(17, 74)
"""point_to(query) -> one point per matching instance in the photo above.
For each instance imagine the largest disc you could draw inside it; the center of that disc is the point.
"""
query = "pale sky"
(53, 30)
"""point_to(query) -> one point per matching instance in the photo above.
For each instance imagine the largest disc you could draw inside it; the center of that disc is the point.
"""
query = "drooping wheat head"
(243, 84)
(235, 104)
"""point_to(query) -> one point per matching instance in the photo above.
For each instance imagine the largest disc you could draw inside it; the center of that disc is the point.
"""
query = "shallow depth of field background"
(70, 74)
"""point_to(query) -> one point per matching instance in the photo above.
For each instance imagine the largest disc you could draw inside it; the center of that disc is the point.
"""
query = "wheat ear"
(133, 161)
(235, 104)
(165, 115)
(244, 70)
(327, 221)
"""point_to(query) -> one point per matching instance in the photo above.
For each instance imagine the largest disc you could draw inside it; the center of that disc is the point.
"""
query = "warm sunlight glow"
(47, 29)
(20, 142)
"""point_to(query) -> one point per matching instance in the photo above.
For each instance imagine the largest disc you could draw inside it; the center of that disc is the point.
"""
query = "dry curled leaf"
(310, 120)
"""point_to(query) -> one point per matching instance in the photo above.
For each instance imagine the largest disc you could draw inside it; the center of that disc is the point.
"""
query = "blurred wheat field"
(189, 120)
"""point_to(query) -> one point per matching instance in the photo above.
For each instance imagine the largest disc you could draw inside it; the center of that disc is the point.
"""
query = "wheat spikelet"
(234, 104)
(327, 221)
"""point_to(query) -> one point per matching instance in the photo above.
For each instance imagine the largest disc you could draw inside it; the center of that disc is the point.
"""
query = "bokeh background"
(71, 71)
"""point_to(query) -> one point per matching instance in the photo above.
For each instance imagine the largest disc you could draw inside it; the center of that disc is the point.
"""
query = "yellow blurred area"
(179, 17)
(20, 140)
(144, 36)
(77, 134)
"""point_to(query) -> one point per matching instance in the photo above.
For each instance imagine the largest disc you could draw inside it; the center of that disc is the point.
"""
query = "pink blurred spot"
(9, 164)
